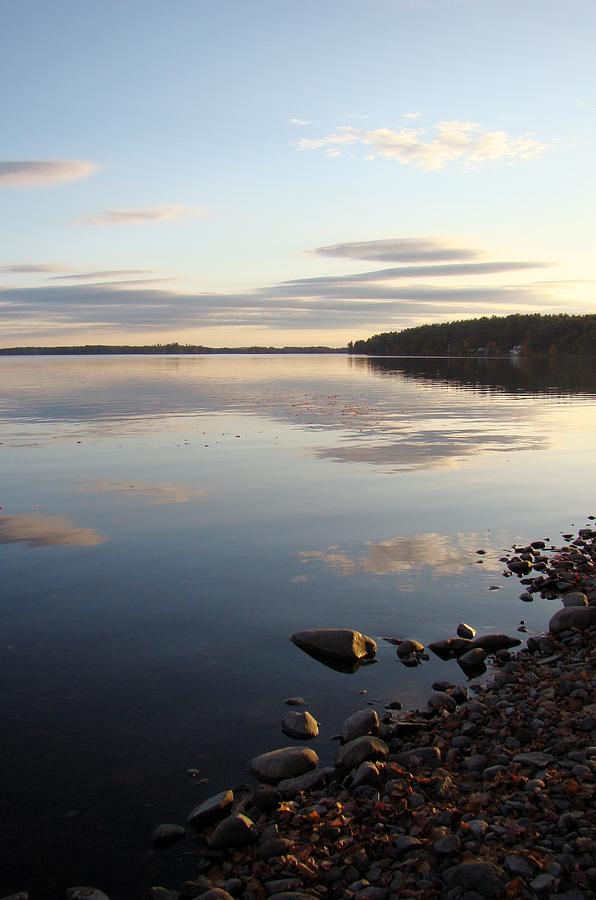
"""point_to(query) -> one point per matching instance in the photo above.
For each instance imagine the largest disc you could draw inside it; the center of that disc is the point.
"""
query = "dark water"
(166, 523)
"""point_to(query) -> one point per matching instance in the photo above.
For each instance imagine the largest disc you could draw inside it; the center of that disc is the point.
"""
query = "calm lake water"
(167, 522)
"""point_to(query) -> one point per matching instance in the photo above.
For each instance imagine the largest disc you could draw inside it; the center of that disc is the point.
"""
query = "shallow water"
(167, 522)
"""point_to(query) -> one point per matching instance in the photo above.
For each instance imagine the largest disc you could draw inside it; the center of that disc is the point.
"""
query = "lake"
(167, 523)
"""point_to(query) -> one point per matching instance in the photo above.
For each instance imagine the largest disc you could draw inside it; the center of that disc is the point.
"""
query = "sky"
(275, 172)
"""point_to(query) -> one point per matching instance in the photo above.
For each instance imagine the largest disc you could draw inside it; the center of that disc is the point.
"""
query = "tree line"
(528, 335)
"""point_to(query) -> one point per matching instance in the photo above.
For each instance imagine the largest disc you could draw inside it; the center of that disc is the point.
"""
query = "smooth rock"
(450, 648)
(574, 598)
(85, 893)
(537, 759)
(366, 773)
(167, 834)
(211, 808)
(361, 749)
(341, 643)
(235, 831)
(580, 617)
(473, 659)
(493, 642)
(421, 758)
(465, 631)
(284, 763)
(359, 724)
(276, 847)
(485, 878)
(447, 846)
(300, 725)
(442, 700)
(409, 647)
(311, 781)
(216, 894)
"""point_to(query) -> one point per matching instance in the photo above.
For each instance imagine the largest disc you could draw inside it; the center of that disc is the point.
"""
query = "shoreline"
(488, 793)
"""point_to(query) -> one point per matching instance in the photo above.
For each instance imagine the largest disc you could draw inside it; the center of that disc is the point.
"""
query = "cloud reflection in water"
(445, 554)
(46, 531)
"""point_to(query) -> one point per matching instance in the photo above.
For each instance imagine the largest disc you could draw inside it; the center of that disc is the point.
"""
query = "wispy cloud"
(412, 250)
(43, 173)
(140, 216)
(102, 273)
(468, 143)
(31, 269)
(300, 122)
(380, 299)
(436, 271)
(412, 115)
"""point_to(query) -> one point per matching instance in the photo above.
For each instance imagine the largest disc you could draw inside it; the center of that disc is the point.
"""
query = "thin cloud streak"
(102, 273)
(411, 250)
(32, 269)
(140, 216)
(488, 268)
(43, 173)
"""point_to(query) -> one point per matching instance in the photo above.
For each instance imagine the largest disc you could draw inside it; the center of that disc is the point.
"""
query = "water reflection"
(156, 494)
(445, 554)
(412, 414)
(46, 531)
(534, 375)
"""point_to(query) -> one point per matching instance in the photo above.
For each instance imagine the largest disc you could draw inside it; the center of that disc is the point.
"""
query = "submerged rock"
(342, 644)
(284, 763)
(167, 834)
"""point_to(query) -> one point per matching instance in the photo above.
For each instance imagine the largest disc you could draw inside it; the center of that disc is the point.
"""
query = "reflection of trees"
(520, 375)
(446, 554)
(46, 531)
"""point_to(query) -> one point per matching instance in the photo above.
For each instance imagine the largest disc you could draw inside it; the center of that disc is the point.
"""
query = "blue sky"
(171, 169)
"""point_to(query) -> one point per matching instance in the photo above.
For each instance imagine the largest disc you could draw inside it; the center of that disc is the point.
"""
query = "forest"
(526, 335)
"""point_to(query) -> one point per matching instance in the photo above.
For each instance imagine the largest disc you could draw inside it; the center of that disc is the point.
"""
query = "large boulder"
(360, 723)
(284, 763)
(342, 644)
(361, 749)
(574, 598)
(580, 617)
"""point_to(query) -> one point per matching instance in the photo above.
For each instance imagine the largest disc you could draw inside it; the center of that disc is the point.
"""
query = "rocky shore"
(487, 792)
